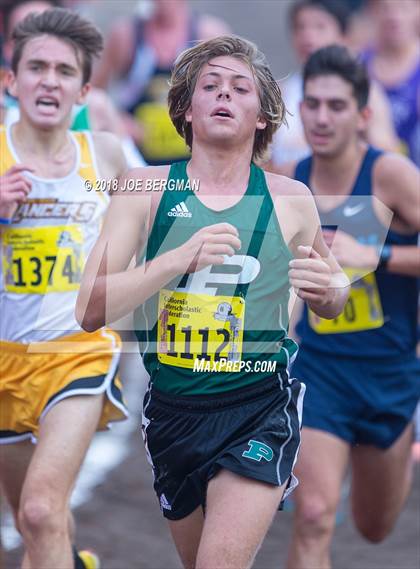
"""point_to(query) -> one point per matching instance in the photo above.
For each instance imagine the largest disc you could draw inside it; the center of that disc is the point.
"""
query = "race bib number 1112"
(199, 326)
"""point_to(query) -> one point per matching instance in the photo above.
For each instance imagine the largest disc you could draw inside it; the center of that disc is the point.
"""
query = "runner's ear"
(10, 83)
(84, 90)
(364, 117)
(261, 123)
(188, 114)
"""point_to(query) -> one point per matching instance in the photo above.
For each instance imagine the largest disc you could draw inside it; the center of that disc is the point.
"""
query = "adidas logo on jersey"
(180, 210)
(164, 504)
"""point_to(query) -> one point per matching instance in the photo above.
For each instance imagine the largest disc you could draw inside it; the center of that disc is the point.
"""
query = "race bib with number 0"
(362, 311)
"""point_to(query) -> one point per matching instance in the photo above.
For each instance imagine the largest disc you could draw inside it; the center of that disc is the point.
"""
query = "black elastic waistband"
(219, 400)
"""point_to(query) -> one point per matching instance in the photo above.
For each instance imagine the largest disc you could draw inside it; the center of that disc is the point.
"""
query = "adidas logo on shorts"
(180, 210)
(164, 504)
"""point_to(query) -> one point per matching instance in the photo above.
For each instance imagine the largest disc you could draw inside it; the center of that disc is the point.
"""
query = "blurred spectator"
(147, 49)
(394, 61)
(359, 33)
(99, 113)
(316, 24)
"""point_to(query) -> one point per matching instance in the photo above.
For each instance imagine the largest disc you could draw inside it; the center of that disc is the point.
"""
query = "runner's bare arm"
(380, 130)
(109, 290)
(398, 183)
(314, 273)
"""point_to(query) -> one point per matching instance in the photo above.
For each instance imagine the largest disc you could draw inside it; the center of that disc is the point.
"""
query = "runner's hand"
(208, 246)
(349, 252)
(311, 277)
(14, 187)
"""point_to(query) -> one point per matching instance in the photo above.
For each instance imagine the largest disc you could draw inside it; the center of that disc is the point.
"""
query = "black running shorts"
(253, 432)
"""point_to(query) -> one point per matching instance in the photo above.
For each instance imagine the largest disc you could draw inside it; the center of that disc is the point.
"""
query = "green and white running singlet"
(214, 330)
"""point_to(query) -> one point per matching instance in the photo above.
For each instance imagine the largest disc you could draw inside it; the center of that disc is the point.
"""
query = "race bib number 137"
(42, 259)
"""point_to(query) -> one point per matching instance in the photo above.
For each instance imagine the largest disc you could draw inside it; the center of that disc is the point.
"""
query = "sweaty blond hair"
(187, 69)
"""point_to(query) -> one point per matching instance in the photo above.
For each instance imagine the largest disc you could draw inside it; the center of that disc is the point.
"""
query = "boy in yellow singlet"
(58, 385)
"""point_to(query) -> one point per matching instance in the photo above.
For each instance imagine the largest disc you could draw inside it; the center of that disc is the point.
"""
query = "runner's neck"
(48, 143)
(335, 176)
(220, 172)
(393, 65)
(399, 54)
(45, 151)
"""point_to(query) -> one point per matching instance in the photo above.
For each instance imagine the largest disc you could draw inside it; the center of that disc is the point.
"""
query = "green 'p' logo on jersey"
(258, 451)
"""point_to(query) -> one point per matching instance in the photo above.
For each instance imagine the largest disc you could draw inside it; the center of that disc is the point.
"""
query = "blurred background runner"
(140, 68)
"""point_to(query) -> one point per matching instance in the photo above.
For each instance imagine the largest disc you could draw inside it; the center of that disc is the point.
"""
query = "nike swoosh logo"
(349, 211)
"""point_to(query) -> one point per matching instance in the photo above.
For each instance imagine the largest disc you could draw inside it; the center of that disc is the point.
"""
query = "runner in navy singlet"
(360, 368)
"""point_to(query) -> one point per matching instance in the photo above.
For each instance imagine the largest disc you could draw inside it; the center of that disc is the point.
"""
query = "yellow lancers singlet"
(44, 354)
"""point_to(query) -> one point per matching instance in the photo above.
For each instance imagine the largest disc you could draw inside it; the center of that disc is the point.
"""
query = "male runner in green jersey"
(211, 288)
